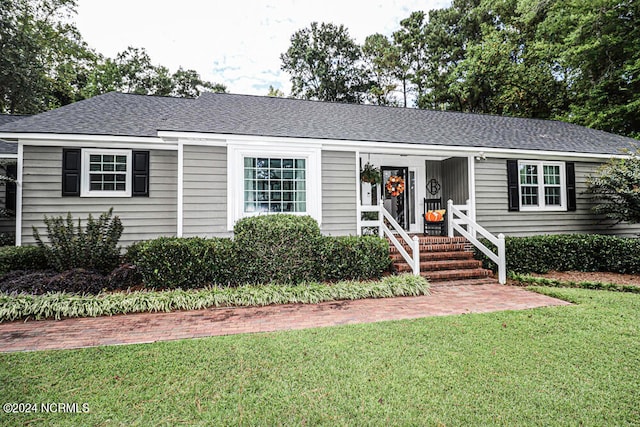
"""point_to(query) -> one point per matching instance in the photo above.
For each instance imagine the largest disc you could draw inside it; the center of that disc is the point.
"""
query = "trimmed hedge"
(172, 262)
(277, 248)
(22, 258)
(284, 249)
(353, 258)
(570, 252)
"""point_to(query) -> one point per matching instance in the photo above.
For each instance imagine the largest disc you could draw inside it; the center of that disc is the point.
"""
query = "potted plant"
(370, 174)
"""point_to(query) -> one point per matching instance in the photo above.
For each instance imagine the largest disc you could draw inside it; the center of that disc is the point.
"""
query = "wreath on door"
(395, 185)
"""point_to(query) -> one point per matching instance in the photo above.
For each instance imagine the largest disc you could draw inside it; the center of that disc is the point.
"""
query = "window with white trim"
(106, 173)
(274, 178)
(275, 184)
(542, 185)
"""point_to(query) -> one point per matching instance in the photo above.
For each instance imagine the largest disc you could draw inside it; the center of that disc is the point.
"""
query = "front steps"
(445, 261)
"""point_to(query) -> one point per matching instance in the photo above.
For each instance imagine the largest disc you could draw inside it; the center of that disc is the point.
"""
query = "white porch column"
(180, 191)
(358, 196)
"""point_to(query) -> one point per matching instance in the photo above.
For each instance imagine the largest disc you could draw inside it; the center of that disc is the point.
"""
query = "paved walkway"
(150, 327)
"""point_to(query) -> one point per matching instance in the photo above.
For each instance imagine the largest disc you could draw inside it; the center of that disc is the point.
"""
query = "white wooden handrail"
(414, 243)
(456, 219)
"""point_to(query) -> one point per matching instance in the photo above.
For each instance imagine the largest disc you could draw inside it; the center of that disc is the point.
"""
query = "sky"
(237, 42)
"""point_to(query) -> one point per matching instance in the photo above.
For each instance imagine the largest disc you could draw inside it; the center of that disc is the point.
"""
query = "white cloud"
(237, 43)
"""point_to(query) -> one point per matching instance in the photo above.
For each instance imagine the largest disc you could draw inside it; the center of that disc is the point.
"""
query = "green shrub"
(94, 248)
(277, 248)
(567, 252)
(353, 258)
(22, 258)
(7, 239)
(60, 305)
(171, 262)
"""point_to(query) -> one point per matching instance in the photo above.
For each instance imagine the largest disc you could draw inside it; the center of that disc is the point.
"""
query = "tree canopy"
(45, 63)
(616, 189)
(325, 64)
(571, 60)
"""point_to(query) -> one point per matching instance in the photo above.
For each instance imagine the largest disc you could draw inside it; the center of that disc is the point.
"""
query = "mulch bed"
(579, 276)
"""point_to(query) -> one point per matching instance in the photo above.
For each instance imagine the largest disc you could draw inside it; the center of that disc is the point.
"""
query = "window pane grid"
(529, 174)
(529, 196)
(552, 175)
(552, 196)
(107, 172)
(274, 185)
(540, 185)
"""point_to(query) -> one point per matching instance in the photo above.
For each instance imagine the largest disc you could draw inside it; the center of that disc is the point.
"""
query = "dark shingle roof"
(7, 147)
(110, 114)
(8, 118)
(137, 115)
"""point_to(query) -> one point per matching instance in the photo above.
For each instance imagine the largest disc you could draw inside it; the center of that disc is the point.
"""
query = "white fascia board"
(8, 156)
(383, 147)
(103, 141)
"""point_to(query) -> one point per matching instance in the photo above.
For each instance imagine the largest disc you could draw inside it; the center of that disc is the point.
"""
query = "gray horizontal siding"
(338, 193)
(492, 209)
(142, 217)
(205, 191)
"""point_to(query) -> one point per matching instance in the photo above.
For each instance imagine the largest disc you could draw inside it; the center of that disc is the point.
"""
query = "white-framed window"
(275, 185)
(105, 173)
(542, 185)
(275, 179)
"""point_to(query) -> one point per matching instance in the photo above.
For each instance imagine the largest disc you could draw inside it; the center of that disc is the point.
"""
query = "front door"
(396, 190)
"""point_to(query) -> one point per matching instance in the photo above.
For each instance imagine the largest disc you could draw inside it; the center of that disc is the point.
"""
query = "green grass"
(571, 365)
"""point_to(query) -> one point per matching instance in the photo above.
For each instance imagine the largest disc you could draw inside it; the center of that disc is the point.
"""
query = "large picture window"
(541, 185)
(275, 184)
(271, 179)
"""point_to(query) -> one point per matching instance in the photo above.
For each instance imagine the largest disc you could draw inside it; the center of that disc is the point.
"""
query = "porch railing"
(412, 259)
(456, 219)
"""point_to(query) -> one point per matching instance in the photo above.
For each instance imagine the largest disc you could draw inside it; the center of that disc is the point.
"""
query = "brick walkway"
(150, 327)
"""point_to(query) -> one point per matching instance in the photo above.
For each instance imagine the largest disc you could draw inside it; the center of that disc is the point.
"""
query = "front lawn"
(574, 365)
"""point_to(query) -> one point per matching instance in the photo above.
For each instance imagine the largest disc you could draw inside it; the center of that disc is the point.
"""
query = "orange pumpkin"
(434, 216)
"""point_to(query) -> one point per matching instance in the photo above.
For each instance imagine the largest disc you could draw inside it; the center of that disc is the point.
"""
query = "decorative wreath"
(395, 185)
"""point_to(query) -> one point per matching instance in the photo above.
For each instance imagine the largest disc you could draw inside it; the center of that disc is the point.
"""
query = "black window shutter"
(570, 169)
(10, 188)
(140, 174)
(71, 171)
(512, 184)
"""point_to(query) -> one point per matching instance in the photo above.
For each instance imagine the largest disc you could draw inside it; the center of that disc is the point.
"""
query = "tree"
(275, 92)
(616, 189)
(325, 64)
(132, 71)
(601, 53)
(43, 60)
(188, 84)
(382, 62)
(491, 57)
(411, 43)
